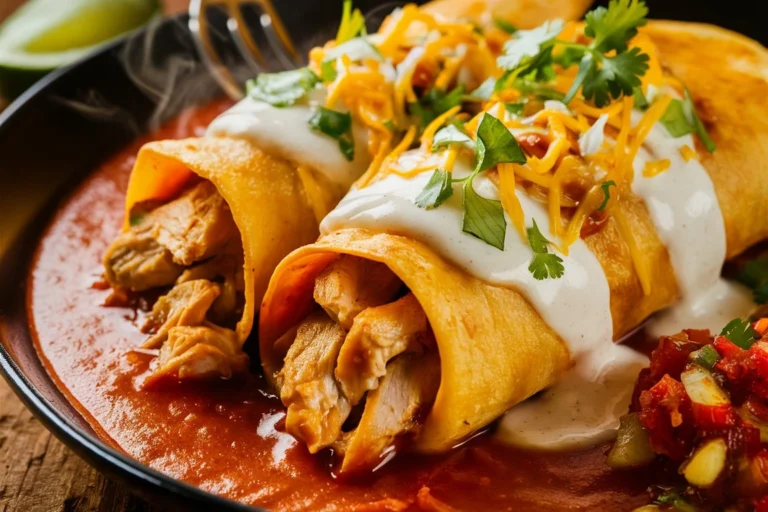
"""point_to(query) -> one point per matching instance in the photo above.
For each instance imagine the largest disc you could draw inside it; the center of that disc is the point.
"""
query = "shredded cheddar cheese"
(688, 153)
(426, 53)
(509, 199)
(655, 168)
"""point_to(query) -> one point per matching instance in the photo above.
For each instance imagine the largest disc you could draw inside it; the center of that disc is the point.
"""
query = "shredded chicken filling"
(361, 371)
(192, 246)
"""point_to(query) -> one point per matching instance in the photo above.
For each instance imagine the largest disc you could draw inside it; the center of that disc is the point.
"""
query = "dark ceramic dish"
(61, 129)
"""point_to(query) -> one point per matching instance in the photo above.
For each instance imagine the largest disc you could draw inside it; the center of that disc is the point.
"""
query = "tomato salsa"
(228, 438)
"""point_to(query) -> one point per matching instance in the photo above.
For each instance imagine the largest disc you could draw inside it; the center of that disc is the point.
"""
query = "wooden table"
(37, 472)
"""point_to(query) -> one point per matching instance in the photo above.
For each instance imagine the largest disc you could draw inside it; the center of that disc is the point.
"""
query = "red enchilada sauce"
(228, 438)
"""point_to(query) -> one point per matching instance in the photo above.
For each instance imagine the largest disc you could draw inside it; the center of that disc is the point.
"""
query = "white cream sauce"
(684, 208)
(285, 132)
(576, 306)
(583, 407)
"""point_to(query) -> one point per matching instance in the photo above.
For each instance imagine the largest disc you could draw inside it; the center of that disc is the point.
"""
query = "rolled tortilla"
(275, 202)
(522, 14)
(272, 203)
(495, 349)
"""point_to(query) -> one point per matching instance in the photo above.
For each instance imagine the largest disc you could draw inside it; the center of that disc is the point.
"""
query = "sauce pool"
(228, 439)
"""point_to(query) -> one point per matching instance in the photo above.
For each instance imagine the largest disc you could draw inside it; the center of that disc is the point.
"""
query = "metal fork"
(274, 30)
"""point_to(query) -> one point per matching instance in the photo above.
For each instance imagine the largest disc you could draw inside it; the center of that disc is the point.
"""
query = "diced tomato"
(667, 416)
(594, 223)
(534, 144)
(714, 416)
(671, 356)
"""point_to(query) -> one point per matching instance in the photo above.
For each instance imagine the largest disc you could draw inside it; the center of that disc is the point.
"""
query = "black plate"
(77, 117)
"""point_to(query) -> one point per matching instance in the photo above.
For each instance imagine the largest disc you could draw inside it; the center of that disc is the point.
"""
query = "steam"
(171, 80)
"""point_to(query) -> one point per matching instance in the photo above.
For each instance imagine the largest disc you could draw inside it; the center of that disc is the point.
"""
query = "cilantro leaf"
(640, 101)
(328, 71)
(282, 89)
(587, 68)
(614, 76)
(681, 118)
(675, 119)
(352, 23)
(495, 145)
(483, 218)
(605, 186)
(528, 44)
(544, 264)
(739, 332)
(516, 108)
(536, 240)
(755, 275)
(448, 135)
(611, 28)
(337, 125)
(436, 102)
(437, 190)
(504, 25)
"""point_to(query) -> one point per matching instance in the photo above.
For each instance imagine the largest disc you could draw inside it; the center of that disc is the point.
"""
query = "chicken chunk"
(135, 261)
(350, 284)
(316, 407)
(196, 225)
(395, 408)
(199, 352)
(193, 227)
(379, 334)
(187, 304)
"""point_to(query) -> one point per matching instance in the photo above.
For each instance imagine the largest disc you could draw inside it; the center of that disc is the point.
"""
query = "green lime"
(45, 34)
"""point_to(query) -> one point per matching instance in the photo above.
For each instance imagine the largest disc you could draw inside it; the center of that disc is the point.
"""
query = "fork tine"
(198, 26)
(277, 35)
(243, 38)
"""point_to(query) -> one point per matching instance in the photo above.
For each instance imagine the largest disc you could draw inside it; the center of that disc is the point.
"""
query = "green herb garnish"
(282, 89)
(755, 275)
(496, 145)
(328, 71)
(437, 190)
(337, 125)
(483, 218)
(640, 101)
(670, 497)
(449, 135)
(706, 356)
(681, 118)
(436, 102)
(352, 23)
(544, 264)
(605, 186)
(608, 69)
(739, 332)
(516, 109)
(504, 25)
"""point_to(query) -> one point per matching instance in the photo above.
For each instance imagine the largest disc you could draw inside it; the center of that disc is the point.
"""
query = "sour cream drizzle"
(576, 306)
(583, 407)
(285, 132)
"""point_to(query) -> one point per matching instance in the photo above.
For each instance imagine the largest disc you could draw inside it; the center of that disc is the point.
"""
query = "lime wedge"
(45, 34)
